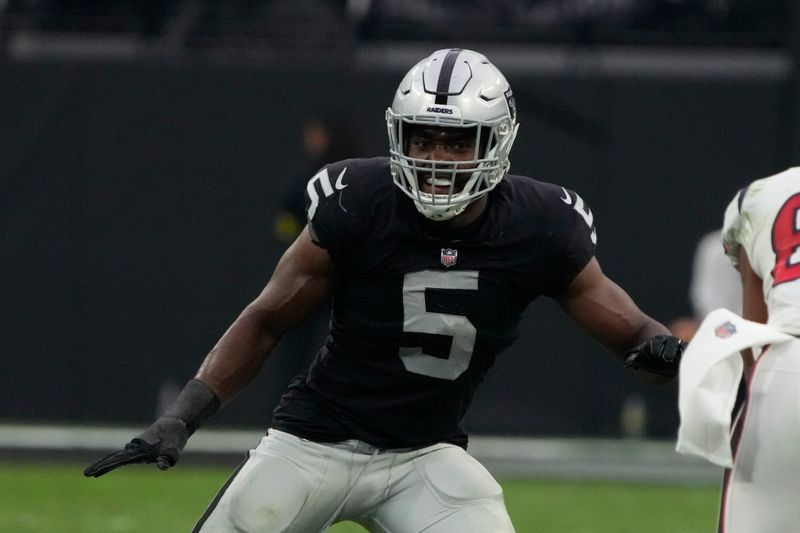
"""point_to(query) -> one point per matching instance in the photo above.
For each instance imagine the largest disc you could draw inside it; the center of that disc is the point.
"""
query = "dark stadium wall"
(137, 203)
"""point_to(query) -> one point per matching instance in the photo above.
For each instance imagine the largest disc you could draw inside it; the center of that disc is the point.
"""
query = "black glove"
(164, 440)
(660, 355)
(161, 443)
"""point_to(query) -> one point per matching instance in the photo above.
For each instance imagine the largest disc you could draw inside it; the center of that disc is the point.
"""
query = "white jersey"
(764, 218)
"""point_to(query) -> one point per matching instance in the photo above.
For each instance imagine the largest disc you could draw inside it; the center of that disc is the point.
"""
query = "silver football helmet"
(452, 88)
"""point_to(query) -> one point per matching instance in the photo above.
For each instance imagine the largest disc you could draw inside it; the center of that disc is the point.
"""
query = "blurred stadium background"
(145, 147)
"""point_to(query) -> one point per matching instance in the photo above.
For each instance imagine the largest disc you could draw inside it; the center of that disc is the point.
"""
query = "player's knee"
(457, 478)
(253, 513)
(261, 518)
(476, 518)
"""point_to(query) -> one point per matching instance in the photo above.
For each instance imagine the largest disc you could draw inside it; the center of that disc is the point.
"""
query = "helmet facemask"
(451, 184)
(453, 93)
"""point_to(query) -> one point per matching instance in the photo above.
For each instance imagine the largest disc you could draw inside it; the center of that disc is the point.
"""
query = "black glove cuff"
(194, 405)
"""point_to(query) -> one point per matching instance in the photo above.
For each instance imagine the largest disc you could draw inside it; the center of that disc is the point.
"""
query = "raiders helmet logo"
(512, 104)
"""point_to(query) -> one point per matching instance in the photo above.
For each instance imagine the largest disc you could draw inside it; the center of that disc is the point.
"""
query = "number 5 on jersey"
(417, 319)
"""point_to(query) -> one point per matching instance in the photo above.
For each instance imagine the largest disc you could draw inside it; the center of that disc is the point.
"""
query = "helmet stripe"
(446, 72)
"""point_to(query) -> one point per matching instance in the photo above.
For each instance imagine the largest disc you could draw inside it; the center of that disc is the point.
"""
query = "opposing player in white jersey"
(761, 235)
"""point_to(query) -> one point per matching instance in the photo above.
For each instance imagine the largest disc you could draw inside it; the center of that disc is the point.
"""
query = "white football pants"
(762, 492)
(290, 484)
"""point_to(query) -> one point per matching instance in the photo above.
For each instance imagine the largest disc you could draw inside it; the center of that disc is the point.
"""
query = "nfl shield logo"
(723, 331)
(449, 257)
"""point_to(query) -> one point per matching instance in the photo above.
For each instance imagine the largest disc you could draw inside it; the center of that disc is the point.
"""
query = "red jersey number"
(786, 242)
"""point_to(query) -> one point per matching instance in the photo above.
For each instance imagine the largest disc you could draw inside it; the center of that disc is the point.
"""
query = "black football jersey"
(419, 314)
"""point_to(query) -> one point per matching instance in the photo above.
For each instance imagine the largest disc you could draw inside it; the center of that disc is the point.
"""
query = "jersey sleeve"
(335, 210)
(572, 235)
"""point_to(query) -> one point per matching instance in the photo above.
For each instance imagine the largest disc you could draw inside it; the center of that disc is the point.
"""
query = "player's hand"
(164, 440)
(161, 443)
(660, 355)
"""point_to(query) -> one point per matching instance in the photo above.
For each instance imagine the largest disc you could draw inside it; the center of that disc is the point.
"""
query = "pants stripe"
(218, 497)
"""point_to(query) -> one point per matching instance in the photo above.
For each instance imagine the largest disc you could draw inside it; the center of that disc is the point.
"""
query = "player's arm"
(604, 310)
(302, 281)
(753, 305)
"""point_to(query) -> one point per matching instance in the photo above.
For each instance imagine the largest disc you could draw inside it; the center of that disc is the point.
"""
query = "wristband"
(195, 403)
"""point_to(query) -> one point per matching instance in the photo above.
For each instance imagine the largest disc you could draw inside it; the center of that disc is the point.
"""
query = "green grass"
(57, 498)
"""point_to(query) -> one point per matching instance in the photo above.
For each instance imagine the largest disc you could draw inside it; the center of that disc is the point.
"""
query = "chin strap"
(447, 213)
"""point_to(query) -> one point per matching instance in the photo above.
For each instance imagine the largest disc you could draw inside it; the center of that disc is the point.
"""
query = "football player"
(430, 257)
(762, 238)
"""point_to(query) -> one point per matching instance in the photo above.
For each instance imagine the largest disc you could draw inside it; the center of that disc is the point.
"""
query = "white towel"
(710, 371)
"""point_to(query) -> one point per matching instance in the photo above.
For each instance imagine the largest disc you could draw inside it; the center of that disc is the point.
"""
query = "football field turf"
(49, 498)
